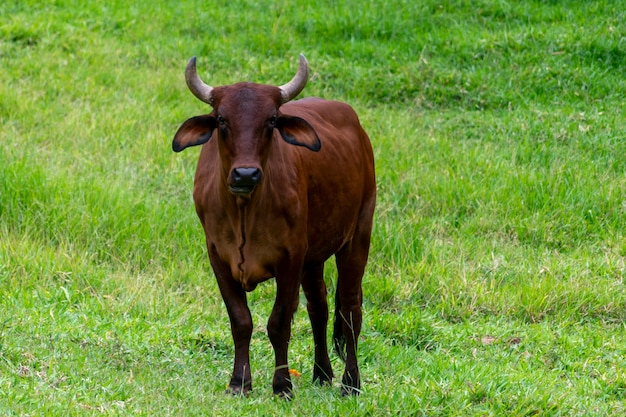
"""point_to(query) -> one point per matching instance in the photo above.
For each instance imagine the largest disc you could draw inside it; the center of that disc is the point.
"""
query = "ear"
(195, 131)
(297, 131)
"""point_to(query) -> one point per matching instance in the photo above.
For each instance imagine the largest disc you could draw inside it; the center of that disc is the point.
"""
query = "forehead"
(245, 98)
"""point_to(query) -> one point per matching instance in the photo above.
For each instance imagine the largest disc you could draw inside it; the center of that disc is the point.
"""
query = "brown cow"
(281, 186)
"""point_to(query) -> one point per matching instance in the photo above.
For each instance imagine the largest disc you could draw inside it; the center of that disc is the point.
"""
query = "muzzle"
(243, 180)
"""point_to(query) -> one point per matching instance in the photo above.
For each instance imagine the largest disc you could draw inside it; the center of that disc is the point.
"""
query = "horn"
(297, 83)
(199, 89)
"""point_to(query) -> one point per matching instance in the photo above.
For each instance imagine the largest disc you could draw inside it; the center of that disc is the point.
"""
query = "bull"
(280, 187)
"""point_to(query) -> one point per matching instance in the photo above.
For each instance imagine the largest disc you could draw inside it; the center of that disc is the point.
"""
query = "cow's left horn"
(195, 84)
(297, 83)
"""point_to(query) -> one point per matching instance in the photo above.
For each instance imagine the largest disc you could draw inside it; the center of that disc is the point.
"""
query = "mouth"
(242, 190)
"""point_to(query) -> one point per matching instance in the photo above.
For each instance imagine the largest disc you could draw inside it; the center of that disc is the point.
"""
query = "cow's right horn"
(199, 89)
(297, 83)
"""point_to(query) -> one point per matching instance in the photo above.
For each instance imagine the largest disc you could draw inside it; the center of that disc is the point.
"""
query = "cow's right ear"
(195, 131)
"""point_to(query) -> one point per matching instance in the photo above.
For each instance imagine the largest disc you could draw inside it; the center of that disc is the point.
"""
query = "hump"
(314, 108)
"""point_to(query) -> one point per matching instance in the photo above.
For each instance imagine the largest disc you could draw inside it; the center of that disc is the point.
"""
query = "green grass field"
(496, 278)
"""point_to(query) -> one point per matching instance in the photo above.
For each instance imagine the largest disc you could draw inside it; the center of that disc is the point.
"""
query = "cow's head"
(243, 120)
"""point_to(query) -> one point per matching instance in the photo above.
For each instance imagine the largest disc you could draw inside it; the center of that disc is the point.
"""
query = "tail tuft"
(339, 338)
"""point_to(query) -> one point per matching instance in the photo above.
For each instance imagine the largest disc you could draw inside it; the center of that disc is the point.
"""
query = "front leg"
(240, 324)
(317, 306)
(241, 328)
(279, 326)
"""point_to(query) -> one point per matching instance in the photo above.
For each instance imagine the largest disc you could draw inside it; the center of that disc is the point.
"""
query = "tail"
(339, 338)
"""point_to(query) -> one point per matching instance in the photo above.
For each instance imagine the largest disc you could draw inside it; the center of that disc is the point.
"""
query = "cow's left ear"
(299, 132)
(194, 131)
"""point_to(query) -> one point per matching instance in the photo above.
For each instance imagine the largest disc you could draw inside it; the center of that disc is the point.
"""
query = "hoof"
(350, 391)
(323, 382)
(283, 389)
(285, 395)
(238, 390)
(350, 385)
(323, 375)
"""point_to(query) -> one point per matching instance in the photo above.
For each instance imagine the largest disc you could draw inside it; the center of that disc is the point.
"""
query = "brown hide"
(307, 205)
(310, 203)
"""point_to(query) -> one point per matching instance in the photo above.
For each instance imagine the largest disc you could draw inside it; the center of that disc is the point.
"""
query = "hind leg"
(317, 307)
(351, 262)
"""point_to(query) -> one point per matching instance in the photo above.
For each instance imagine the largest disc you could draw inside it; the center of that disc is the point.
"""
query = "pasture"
(496, 281)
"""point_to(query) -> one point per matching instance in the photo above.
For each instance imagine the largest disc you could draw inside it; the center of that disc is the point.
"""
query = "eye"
(272, 121)
(221, 121)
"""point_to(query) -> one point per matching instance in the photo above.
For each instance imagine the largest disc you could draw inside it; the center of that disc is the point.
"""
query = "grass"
(496, 278)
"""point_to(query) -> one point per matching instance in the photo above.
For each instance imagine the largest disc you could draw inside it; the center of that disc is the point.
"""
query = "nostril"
(247, 176)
